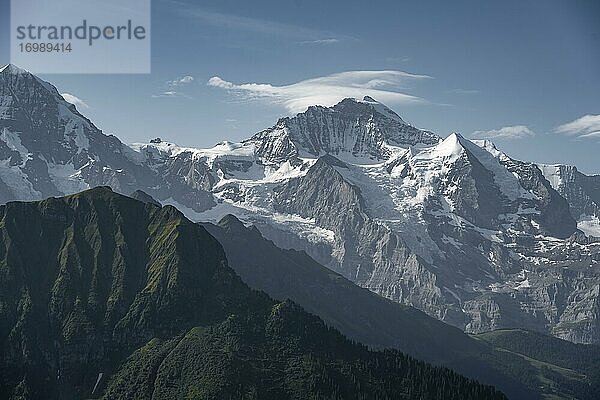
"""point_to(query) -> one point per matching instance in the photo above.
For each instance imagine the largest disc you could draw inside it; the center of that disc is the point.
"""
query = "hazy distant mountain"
(453, 227)
(104, 296)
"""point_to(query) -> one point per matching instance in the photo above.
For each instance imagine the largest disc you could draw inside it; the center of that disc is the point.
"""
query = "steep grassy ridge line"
(105, 296)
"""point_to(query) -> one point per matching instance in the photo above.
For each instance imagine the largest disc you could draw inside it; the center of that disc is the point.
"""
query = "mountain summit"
(359, 129)
(12, 69)
(48, 148)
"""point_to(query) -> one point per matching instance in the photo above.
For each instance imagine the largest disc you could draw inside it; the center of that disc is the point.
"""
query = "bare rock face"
(581, 191)
(367, 252)
(451, 226)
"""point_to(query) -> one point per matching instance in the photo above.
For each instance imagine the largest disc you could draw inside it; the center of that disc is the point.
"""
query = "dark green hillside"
(102, 295)
(288, 355)
(568, 368)
(86, 278)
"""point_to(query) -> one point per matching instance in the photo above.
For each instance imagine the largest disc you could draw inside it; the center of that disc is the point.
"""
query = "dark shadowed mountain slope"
(573, 367)
(105, 296)
(144, 198)
(357, 312)
(378, 322)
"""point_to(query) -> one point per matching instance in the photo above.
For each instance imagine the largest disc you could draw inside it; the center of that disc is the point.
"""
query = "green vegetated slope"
(565, 369)
(105, 296)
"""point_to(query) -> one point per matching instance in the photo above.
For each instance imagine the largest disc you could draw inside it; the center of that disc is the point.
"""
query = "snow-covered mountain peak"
(367, 107)
(48, 148)
(382, 108)
(364, 130)
(491, 148)
(464, 178)
(450, 147)
(30, 89)
(434, 158)
(558, 174)
(12, 70)
(13, 76)
(225, 149)
(582, 192)
(485, 144)
(553, 174)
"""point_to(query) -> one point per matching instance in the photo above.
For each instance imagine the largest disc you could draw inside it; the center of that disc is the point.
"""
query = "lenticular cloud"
(386, 86)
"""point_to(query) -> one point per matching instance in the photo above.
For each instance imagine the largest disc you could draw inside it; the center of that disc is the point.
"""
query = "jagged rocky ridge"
(453, 227)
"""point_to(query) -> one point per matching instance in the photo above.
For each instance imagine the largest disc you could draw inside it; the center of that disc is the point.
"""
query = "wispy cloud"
(586, 127)
(384, 86)
(464, 91)
(397, 60)
(507, 132)
(256, 25)
(320, 41)
(173, 87)
(76, 101)
(184, 80)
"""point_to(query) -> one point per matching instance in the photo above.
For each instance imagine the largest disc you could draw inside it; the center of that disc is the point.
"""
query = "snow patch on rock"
(590, 225)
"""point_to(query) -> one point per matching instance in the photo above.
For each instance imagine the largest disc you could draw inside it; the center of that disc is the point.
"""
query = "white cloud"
(274, 29)
(321, 41)
(173, 87)
(76, 101)
(507, 132)
(184, 80)
(327, 90)
(397, 60)
(166, 93)
(464, 91)
(585, 127)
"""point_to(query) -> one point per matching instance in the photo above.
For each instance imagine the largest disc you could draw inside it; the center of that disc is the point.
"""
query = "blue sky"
(524, 73)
